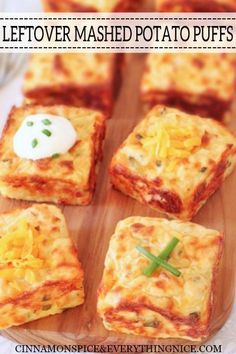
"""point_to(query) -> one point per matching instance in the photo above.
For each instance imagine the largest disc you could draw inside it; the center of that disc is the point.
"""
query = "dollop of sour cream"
(43, 135)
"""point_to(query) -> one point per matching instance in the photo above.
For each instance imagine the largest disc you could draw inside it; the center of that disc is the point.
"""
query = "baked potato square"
(199, 83)
(88, 80)
(174, 161)
(195, 6)
(91, 5)
(161, 305)
(68, 178)
(39, 275)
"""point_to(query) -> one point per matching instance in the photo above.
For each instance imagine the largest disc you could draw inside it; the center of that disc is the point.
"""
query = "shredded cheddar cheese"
(18, 251)
(168, 141)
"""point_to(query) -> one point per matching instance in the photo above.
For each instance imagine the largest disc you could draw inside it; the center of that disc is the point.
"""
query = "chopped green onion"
(34, 143)
(29, 124)
(164, 255)
(46, 132)
(55, 156)
(159, 261)
(46, 122)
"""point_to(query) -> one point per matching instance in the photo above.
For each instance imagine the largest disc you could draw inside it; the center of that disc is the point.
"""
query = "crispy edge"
(29, 301)
(137, 187)
(96, 97)
(205, 106)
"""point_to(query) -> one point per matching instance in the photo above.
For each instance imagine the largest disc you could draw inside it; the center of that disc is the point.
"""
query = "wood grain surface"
(91, 228)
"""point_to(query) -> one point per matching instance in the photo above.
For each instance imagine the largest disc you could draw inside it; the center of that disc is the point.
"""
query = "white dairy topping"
(43, 135)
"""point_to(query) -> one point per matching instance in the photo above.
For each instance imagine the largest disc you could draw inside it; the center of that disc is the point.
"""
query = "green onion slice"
(29, 124)
(46, 122)
(47, 132)
(34, 143)
(164, 255)
(55, 156)
(159, 261)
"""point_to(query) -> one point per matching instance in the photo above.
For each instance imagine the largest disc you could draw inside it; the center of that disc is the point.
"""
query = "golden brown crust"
(68, 179)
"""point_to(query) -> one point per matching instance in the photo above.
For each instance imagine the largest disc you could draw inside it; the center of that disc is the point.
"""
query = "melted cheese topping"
(179, 149)
(18, 255)
(191, 73)
(124, 284)
(43, 135)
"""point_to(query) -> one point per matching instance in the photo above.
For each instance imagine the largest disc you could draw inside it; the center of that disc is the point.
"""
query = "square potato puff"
(40, 273)
(91, 5)
(198, 83)
(174, 161)
(195, 5)
(162, 305)
(79, 79)
(69, 178)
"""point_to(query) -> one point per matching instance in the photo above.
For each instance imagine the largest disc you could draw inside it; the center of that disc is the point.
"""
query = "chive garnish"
(163, 255)
(29, 124)
(46, 132)
(34, 143)
(55, 156)
(159, 261)
(46, 122)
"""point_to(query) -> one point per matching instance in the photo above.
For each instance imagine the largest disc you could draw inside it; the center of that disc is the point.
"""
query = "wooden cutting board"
(91, 228)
